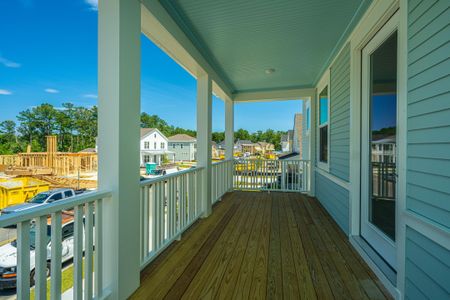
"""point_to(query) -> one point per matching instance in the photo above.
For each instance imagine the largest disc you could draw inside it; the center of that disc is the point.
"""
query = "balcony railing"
(42, 237)
(169, 205)
(272, 175)
(221, 179)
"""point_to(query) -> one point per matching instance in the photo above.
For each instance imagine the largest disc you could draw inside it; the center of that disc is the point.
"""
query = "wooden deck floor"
(261, 246)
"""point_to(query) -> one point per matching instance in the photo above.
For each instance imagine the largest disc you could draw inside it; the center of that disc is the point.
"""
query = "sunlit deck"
(261, 245)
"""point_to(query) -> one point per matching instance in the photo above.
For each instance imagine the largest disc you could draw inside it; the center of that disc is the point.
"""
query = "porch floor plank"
(261, 246)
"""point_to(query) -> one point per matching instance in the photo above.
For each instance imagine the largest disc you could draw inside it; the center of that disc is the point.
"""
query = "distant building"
(286, 141)
(297, 139)
(263, 147)
(154, 146)
(184, 147)
(245, 146)
(383, 149)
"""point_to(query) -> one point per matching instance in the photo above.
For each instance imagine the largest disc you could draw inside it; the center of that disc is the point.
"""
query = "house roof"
(145, 131)
(182, 138)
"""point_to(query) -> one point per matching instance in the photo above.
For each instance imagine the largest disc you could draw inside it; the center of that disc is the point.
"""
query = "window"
(181, 146)
(67, 231)
(146, 158)
(146, 145)
(173, 145)
(323, 125)
(308, 117)
(68, 194)
(55, 197)
(154, 145)
(162, 145)
(154, 135)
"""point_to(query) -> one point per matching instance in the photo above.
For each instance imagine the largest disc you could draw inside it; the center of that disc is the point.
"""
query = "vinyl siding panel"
(428, 127)
(427, 267)
(335, 200)
(428, 146)
(340, 115)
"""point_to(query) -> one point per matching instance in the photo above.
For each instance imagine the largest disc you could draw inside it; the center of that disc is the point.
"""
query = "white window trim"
(308, 120)
(323, 82)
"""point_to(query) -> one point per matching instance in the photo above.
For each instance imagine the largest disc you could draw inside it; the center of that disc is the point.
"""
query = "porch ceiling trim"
(274, 95)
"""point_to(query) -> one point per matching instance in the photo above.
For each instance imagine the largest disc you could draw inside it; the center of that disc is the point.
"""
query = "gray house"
(184, 146)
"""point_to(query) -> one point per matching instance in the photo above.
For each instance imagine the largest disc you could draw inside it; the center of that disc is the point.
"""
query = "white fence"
(44, 237)
(221, 179)
(272, 175)
(169, 205)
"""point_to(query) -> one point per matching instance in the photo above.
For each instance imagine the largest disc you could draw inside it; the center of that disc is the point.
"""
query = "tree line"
(76, 128)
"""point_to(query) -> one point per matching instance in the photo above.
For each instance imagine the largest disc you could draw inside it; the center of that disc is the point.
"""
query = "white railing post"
(119, 62)
(204, 121)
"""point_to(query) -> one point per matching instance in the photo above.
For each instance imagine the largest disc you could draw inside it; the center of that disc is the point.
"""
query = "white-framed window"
(154, 145)
(323, 122)
(162, 145)
(307, 116)
(146, 145)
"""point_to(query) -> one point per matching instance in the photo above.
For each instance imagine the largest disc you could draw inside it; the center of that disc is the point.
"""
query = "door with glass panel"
(379, 142)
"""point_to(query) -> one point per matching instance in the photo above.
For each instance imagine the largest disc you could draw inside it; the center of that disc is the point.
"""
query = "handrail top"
(168, 176)
(221, 162)
(48, 209)
(270, 160)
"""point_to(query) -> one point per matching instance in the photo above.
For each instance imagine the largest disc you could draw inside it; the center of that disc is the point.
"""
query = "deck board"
(261, 246)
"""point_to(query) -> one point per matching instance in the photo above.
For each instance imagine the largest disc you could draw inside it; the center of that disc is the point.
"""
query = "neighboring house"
(154, 146)
(263, 147)
(184, 147)
(286, 141)
(383, 149)
(297, 134)
(244, 146)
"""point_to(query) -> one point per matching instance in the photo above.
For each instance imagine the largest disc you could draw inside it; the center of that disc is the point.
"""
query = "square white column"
(204, 128)
(119, 62)
(229, 129)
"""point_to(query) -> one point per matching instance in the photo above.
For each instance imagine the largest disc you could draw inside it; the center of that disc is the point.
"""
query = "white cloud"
(51, 91)
(5, 92)
(93, 4)
(9, 64)
(91, 96)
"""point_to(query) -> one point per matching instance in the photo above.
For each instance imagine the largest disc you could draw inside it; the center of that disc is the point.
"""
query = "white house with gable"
(154, 146)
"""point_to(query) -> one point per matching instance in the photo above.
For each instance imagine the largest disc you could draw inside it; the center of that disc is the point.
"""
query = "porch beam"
(273, 95)
(229, 129)
(204, 129)
(119, 53)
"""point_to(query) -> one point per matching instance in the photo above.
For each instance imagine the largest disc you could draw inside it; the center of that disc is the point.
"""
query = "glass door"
(379, 142)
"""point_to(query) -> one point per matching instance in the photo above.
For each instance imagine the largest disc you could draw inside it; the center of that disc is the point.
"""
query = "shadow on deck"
(261, 245)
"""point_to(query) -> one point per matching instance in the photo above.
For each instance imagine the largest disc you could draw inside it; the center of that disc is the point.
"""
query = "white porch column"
(119, 52)
(204, 125)
(312, 144)
(229, 129)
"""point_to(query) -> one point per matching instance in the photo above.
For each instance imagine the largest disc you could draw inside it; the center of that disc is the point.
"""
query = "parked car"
(42, 199)
(8, 252)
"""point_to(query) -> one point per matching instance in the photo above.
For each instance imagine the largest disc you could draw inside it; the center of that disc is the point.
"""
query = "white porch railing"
(272, 175)
(39, 246)
(169, 205)
(221, 179)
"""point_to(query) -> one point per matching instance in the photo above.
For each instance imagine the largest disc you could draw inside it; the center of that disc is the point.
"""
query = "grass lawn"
(66, 281)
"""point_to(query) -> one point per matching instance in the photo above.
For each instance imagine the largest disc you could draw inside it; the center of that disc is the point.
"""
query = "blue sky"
(48, 53)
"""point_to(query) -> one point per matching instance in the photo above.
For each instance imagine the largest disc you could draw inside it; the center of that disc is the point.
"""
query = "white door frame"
(374, 236)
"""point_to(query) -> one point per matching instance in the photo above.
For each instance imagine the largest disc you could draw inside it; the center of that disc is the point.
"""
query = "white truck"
(42, 199)
(8, 252)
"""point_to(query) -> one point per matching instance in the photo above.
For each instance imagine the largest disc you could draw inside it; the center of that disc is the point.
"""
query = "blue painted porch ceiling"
(241, 39)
